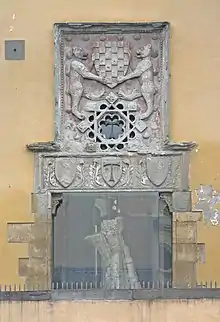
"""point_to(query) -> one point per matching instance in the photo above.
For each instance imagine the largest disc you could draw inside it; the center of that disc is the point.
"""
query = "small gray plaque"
(14, 49)
(182, 201)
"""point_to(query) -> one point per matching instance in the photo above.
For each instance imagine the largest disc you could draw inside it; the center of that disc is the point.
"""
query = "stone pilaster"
(37, 234)
(187, 251)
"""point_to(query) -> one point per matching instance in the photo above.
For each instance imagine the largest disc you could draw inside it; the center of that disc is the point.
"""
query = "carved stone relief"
(111, 112)
(111, 115)
(63, 172)
(109, 94)
(110, 88)
(141, 172)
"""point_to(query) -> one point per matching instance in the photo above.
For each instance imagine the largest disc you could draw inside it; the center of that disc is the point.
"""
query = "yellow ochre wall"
(26, 98)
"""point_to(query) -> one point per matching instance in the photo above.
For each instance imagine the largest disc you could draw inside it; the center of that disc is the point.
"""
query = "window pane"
(112, 240)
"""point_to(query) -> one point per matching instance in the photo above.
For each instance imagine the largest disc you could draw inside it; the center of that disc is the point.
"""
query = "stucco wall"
(26, 93)
(140, 311)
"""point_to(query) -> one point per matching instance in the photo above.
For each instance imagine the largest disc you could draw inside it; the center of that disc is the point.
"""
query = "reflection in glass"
(115, 255)
(112, 240)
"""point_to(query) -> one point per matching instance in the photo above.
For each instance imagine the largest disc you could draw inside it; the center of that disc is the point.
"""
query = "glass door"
(110, 240)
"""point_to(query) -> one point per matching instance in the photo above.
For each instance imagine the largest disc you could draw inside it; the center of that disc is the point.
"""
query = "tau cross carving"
(111, 170)
(112, 179)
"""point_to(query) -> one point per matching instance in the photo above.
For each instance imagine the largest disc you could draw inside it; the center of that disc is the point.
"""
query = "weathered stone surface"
(43, 146)
(96, 111)
(200, 253)
(23, 267)
(103, 114)
(19, 232)
(189, 252)
(185, 252)
(187, 216)
(36, 268)
(39, 205)
(186, 232)
(184, 274)
(40, 252)
(181, 201)
(34, 203)
(174, 232)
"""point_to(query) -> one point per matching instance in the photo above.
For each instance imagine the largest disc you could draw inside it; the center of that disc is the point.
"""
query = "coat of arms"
(111, 170)
(111, 60)
(157, 168)
(65, 171)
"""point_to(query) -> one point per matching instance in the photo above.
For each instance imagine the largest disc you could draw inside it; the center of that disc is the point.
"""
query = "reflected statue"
(116, 258)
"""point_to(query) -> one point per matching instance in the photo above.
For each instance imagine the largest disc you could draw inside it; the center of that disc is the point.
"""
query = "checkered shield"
(111, 59)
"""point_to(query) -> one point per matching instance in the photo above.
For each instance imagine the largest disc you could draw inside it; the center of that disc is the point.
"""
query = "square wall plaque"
(14, 49)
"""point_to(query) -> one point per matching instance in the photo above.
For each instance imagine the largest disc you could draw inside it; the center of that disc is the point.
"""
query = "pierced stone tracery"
(112, 126)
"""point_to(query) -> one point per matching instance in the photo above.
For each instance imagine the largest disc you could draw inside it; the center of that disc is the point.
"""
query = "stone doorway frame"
(87, 166)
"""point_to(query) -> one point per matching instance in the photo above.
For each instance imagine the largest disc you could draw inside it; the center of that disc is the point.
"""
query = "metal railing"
(90, 291)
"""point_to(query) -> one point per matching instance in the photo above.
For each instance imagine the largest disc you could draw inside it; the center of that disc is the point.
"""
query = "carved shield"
(65, 171)
(157, 168)
(111, 170)
(111, 59)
